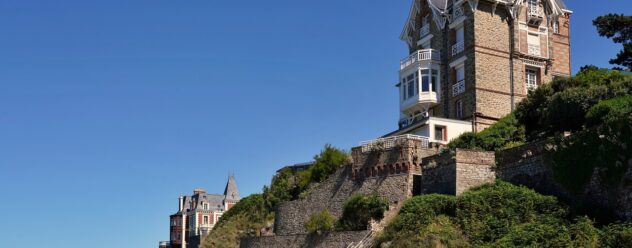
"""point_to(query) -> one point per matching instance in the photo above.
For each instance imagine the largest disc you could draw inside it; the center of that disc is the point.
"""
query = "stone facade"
(529, 165)
(501, 44)
(330, 240)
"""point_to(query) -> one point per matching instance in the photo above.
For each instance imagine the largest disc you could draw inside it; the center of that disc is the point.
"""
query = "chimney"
(181, 203)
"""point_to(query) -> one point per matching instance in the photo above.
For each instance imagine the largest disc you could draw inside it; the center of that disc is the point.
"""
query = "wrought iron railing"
(458, 48)
(458, 87)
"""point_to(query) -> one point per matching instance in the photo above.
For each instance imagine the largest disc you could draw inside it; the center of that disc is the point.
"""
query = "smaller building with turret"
(197, 215)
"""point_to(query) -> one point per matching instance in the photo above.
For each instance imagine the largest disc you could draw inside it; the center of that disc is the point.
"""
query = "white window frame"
(531, 78)
(556, 27)
(205, 220)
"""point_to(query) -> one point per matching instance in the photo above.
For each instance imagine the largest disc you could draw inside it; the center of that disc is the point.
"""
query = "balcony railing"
(534, 50)
(535, 11)
(457, 13)
(458, 87)
(535, 14)
(424, 30)
(390, 142)
(458, 48)
(419, 55)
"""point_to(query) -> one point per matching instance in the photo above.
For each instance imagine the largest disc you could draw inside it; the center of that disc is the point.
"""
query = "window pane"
(439, 133)
(424, 83)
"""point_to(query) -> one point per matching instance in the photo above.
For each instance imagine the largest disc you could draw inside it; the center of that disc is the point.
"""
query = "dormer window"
(205, 206)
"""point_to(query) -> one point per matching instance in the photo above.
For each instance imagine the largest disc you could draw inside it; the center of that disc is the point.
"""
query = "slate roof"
(215, 201)
(231, 192)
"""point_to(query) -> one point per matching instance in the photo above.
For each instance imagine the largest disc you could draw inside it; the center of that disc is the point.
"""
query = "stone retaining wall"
(331, 240)
(332, 194)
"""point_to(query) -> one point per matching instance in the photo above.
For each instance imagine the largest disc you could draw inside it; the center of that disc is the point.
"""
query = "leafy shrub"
(489, 212)
(617, 235)
(320, 222)
(609, 110)
(605, 149)
(493, 215)
(416, 214)
(325, 164)
(562, 104)
(497, 136)
(359, 209)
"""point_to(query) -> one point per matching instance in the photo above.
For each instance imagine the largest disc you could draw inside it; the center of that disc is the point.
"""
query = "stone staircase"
(377, 227)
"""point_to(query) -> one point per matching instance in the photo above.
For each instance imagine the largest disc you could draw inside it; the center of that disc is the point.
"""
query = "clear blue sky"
(109, 110)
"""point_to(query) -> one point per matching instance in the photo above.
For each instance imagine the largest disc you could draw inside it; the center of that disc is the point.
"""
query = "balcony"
(458, 87)
(424, 30)
(535, 14)
(420, 102)
(420, 56)
(458, 48)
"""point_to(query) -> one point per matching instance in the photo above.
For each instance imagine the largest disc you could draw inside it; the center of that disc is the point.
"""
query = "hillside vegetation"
(255, 212)
(496, 215)
(595, 106)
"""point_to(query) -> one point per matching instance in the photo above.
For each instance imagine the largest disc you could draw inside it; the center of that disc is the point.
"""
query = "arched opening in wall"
(397, 169)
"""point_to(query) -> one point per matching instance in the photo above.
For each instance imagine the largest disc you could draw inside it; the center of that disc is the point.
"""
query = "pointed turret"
(231, 191)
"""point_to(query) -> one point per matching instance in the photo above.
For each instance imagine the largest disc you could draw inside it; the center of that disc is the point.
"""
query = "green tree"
(618, 27)
(325, 163)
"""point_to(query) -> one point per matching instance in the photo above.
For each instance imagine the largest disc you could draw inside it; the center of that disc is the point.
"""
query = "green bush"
(609, 110)
(326, 163)
(359, 209)
(320, 222)
(417, 214)
(498, 136)
(562, 104)
(617, 235)
(493, 215)
(489, 212)
(605, 149)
